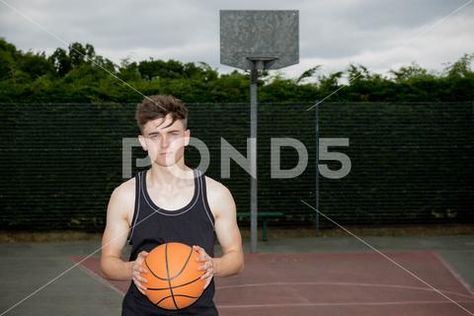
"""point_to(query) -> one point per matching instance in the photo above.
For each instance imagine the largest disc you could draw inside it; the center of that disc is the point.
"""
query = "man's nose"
(165, 142)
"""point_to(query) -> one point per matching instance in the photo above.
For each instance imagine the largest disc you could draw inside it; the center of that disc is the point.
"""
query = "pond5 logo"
(230, 153)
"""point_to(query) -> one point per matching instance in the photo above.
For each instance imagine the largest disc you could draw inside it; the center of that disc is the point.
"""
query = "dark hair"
(158, 106)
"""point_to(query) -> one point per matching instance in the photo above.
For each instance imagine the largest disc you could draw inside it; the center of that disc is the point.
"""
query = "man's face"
(165, 143)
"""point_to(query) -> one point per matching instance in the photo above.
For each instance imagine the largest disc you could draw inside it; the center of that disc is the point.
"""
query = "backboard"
(270, 36)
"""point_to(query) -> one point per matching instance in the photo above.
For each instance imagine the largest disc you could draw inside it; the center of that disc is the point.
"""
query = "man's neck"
(170, 176)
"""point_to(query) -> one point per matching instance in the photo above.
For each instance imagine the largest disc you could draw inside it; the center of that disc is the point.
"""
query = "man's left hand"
(208, 265)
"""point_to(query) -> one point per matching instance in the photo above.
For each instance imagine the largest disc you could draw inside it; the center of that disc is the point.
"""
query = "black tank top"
(192, 224)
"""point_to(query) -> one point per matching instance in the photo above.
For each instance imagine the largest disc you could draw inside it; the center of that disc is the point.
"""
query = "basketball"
(174, 279)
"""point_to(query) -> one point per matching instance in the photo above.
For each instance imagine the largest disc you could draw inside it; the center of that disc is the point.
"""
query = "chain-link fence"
(380, 163)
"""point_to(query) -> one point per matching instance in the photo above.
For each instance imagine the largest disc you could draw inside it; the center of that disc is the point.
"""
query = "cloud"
(374, 33)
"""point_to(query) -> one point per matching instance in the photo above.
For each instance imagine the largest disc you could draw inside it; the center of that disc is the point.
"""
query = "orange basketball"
(174, 279)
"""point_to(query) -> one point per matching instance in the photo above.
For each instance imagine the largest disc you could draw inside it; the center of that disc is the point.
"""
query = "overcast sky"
(379, 34)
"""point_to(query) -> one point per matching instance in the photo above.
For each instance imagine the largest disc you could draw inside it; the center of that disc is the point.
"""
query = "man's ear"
(142, 141)
(187, 136)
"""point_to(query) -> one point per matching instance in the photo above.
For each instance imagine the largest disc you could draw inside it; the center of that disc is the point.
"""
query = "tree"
(128, 71)
(358, 73)
(462, 67)
(79, 74)
(308, 73)
(36, 65)
(7, 59)
(80, 54)
(159, 69)
(329, 83)
(406, 73)
(61, 62)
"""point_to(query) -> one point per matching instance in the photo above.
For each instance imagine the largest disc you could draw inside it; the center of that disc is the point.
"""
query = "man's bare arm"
(115, 235)
(119, 213)
(232, 260)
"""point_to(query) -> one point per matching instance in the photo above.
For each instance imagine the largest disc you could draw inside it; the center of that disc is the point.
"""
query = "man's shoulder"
(125, 191)
(215, 187)
(219, 197)
(122, 201)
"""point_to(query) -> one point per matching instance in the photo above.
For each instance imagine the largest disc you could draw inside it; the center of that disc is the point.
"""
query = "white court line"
(131, 87)
(393, 286)
(454, 273)
(100, 279)
(342, 304)
(389, 259)
(64, 272)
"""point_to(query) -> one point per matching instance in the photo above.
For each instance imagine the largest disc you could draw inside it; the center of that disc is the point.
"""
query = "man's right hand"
(138, 269)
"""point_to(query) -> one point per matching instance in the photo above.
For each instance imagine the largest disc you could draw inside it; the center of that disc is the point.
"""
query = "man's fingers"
(203, 258)
(207, 281)
(206, 266)
(142, 290)
(206, 275)
(201, 251)
(139, 276)
(139, 283)
(138, 269)
(142, 255)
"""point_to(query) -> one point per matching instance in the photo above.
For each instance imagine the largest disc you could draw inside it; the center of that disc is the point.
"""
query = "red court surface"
(355, 283)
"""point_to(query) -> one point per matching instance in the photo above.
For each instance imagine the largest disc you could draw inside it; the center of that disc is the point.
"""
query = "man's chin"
(165, 163)
(168, 160)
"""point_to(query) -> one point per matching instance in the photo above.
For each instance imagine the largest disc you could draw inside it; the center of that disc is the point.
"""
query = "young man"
(169, 202)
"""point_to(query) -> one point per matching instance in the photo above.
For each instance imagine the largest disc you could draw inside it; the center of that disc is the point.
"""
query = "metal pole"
(253, 156)
(316, 193)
